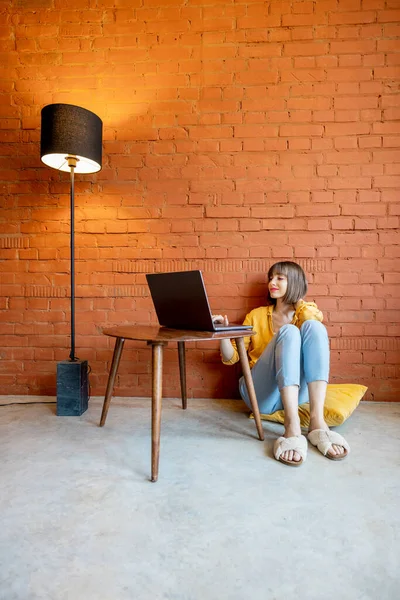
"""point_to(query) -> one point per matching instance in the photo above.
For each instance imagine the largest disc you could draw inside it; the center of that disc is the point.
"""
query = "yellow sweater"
(261, 321)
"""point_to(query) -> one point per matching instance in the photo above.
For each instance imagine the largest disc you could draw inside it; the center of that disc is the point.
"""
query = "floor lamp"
(71, 141)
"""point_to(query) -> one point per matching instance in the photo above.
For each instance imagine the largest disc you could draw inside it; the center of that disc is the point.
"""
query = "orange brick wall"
(236, 133)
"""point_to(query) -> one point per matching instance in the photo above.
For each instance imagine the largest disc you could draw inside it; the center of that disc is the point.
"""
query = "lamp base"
(72, 388)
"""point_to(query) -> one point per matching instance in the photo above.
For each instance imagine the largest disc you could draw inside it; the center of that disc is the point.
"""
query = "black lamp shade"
(69, 130)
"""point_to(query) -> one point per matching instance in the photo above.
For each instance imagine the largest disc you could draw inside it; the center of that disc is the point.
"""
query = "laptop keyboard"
(232, 327)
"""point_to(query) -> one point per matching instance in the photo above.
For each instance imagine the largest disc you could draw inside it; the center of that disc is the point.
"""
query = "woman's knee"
(313, 327)
(288, 330)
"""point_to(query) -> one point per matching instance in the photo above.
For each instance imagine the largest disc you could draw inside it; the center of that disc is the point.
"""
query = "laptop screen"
(180, 300)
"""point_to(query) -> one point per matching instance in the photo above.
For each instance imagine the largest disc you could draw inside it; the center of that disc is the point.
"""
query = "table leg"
(119, 344)
(182, 372)
(250, 387)
(157, 359)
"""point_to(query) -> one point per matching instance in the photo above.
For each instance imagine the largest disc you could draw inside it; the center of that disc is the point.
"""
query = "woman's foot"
(292, 429)
(291, 446)
(336, 451)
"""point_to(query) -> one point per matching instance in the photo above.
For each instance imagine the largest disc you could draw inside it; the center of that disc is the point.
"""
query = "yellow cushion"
(340, 401)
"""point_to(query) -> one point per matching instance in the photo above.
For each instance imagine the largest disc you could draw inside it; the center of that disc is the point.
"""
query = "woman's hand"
(298, 303)
(220, 319)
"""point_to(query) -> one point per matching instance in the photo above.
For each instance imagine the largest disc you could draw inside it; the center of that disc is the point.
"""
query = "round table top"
(154, 333)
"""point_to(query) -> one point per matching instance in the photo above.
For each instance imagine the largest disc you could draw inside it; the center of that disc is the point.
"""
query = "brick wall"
(235, 134)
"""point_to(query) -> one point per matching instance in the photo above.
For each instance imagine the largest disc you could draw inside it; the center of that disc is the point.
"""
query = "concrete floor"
(225, 521)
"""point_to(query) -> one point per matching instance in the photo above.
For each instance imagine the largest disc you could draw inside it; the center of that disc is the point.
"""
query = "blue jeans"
(293, 357)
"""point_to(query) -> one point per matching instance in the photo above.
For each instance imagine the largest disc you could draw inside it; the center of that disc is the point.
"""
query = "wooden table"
(158, 337)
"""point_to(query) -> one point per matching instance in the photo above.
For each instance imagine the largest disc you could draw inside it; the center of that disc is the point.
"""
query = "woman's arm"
(227, 350)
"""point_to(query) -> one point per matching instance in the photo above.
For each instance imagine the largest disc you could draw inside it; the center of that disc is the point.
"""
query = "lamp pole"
(72, 160)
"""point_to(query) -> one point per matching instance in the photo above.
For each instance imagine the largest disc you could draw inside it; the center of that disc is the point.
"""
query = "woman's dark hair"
(296, 278)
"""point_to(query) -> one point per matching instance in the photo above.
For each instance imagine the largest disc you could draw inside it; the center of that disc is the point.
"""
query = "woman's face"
(277, 285)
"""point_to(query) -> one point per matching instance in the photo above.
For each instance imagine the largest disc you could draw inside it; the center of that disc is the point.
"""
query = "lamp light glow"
(60, 163)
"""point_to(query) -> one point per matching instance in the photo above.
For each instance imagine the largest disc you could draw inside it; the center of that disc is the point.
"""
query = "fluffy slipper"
(324, 439)
(295, 443)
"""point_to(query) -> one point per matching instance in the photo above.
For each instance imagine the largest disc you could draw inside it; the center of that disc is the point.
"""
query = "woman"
(289, 360)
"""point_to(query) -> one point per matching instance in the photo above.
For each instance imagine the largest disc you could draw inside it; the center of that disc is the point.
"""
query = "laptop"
(181, 302)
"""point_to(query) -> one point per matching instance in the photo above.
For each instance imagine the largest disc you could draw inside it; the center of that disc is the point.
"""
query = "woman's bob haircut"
(296, 281)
